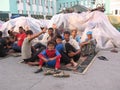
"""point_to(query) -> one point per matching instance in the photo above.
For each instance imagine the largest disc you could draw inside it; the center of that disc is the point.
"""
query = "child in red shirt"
(50, 57)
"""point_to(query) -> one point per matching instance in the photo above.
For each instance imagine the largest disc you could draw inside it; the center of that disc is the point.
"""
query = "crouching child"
(50, 56)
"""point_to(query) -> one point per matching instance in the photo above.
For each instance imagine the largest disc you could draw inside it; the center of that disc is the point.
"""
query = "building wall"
(112, 7)
(62, 4)
(32, 7)
(115, 7)
(4, 6)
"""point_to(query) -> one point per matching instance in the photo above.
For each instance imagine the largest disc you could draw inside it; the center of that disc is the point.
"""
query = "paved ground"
(102, 75)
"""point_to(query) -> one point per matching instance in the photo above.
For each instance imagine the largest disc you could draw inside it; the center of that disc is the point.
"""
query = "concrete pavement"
(102, 75)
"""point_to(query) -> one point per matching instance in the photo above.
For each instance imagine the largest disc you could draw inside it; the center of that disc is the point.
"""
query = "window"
(74, 2)
(60, 5)
(51, 2)
(26, 12)
(21, 0)
(67, 4)
(63, 4)
(34, 13)
(116, 12)
(19, 11)
(93, 1)
(22, 12)
(77, 2)
(40, 2)
(34, 1)
(27, 1)
(70, 3)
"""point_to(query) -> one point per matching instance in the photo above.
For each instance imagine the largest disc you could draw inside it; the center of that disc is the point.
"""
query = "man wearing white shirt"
(71, 46)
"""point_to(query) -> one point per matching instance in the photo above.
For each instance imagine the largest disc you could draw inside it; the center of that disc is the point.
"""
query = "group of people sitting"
(53, 49)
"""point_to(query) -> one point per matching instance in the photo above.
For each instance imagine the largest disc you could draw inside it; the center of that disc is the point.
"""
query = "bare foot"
(75, 64)
(68, 65)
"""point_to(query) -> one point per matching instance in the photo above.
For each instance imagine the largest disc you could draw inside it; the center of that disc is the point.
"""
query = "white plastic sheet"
(27, 23)
(97, 22)
(1, 23)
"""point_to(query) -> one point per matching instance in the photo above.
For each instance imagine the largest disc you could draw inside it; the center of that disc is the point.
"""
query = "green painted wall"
(107, 6)
(13, 6)
(64, 2)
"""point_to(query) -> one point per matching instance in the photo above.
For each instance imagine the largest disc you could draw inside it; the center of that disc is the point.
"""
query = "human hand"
(54, 26)
(71, 54)
(44, 31)
(50, 59)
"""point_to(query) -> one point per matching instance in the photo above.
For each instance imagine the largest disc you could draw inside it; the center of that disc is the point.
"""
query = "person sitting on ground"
(72, 48)
(88, 46)
(8, 44)
(50, 56)
(75, 36)
(48, 36)
(60, 47)
(3, 51)
(27, 45)
(20, 38)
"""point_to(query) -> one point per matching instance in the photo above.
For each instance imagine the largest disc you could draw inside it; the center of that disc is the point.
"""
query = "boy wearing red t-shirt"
(20, 38)
(50, 57)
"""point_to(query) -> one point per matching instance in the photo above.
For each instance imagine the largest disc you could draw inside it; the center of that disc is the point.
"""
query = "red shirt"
(20, 38)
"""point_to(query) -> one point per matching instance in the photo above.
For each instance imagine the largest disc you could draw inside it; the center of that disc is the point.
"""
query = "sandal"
(62, 74)
(51, 72)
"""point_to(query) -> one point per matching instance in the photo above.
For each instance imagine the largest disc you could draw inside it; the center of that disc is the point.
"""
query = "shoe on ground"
(51, 72)
(62, 74)
(39, 70)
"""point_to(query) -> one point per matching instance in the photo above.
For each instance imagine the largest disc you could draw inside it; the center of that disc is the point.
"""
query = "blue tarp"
(15, 16)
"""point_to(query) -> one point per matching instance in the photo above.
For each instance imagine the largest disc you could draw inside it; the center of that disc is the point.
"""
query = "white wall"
(115, 5)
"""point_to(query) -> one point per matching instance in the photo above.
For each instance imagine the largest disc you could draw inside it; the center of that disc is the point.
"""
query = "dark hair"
(7, 38)
(66, 32)
(0, 33)
(29, 32)
(50, 29)
(58, 36)
(9, 32)
(51, 42)
(41, 28)
(20, 27)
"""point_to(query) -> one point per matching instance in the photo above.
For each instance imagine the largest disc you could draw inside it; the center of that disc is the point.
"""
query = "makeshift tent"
(1, 23)
(105, 34)
(27, 23)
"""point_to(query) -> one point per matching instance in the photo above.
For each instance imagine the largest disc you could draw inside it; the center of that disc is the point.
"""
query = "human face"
(66, 37)
(50, 47)
(21, 30)
(74, 33)
(50, 32)
(58, 40)
(89, 36)
(54, 26)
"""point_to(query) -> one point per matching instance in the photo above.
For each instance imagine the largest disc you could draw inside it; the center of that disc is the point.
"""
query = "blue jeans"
(16, 47)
